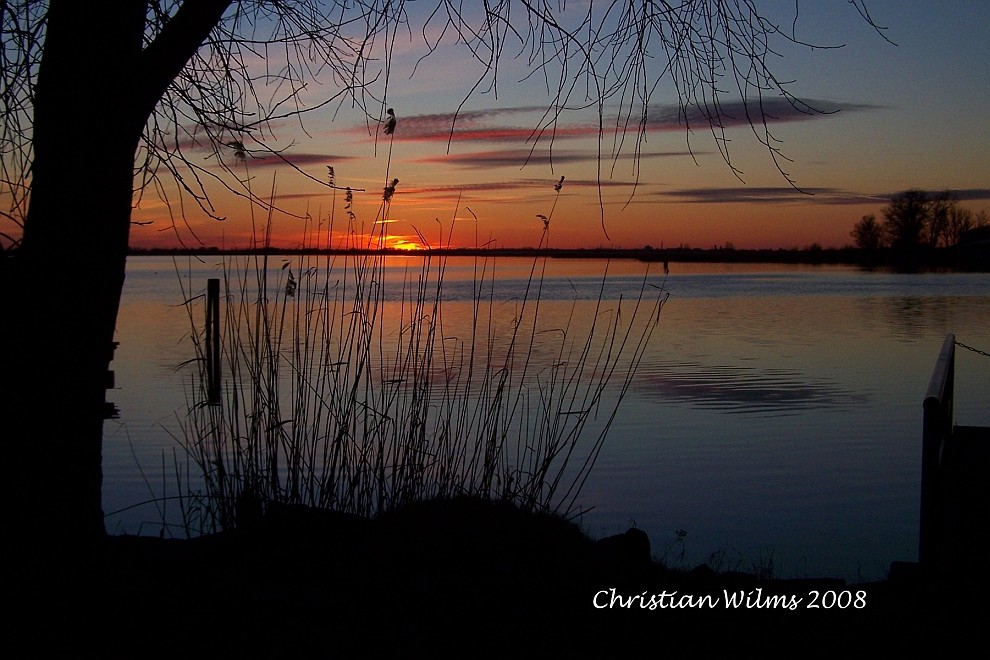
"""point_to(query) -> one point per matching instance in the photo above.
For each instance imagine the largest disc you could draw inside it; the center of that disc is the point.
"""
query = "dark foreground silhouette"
(458, 576)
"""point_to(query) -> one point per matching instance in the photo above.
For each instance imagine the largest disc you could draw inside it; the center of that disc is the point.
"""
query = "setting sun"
(402, 243)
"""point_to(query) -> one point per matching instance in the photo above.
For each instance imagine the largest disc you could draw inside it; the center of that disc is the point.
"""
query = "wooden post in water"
(213, 341)
(937, 430)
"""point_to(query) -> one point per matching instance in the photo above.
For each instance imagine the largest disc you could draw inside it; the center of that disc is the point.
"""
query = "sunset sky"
(911, 115)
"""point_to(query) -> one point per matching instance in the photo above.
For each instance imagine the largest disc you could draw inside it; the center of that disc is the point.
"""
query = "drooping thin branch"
(216, 72)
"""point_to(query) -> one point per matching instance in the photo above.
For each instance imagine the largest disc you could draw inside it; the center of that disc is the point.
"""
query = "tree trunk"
(63, 288)
(98, 83)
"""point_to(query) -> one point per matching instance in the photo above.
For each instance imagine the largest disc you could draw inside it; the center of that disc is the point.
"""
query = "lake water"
(775, 416)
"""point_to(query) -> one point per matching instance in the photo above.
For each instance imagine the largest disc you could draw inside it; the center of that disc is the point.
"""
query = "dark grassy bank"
(457, 576)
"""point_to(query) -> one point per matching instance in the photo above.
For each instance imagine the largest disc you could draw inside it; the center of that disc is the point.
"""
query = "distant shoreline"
(942, 258)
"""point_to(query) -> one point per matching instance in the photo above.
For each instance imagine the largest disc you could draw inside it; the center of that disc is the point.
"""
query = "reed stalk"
(345, 387)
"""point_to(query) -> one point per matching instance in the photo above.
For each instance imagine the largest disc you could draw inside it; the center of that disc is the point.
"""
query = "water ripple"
(743, 390)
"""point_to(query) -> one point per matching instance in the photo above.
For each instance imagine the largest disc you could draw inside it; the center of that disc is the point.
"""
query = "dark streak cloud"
(521, 157)
(962, 195)
(476, 187)
(768, 195)
(741, 113)
(486, 125)
(788, 195)
(519, 184)
(299, 160)
(505, 158)
(971, 194)
(463, 126)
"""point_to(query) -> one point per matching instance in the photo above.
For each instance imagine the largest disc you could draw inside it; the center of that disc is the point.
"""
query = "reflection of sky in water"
(739, 389)
(791, 421)
(777, 406)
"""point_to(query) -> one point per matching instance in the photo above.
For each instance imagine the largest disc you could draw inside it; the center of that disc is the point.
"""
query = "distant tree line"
(916, 223)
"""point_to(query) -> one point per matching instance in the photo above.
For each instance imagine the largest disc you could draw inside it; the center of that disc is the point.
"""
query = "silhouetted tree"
(917, 219)
(868, 233)
(939, 207)
(958, 221)
(94, 92)
(906, 220)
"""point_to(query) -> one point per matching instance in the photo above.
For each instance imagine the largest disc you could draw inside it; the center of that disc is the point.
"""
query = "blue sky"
(910, 115)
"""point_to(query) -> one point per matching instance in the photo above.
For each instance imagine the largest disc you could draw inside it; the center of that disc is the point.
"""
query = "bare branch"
(229, 71)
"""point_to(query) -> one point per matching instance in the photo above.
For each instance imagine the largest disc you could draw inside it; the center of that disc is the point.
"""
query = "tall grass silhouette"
(354, 381)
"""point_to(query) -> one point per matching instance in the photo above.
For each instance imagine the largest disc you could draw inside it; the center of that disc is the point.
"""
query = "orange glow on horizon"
(402, 243)
(670, 226)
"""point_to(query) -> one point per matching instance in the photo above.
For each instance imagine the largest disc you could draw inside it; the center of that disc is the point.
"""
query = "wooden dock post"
(955, 495)
(213, 341)
(936, 432)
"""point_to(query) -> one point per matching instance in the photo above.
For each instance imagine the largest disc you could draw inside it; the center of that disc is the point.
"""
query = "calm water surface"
(775, 417)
